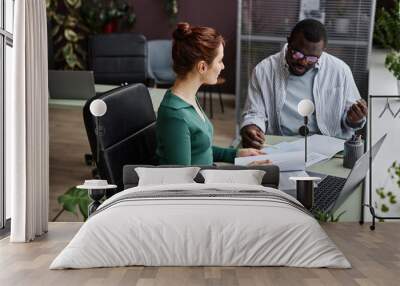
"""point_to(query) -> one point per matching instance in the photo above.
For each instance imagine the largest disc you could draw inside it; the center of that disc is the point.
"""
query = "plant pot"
(110, 27)
(398, 86)
(342, 25)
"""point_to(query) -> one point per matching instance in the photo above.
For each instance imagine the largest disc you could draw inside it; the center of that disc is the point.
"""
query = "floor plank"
(374, 256)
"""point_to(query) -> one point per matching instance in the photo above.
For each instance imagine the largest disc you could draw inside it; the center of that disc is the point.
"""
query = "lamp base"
(303, 130)
(305, 193)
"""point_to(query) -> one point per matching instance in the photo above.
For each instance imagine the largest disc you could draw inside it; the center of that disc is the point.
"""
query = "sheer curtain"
(27, 154)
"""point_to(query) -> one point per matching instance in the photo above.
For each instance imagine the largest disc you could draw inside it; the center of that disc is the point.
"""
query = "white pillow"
(164, 176)
(248, 177)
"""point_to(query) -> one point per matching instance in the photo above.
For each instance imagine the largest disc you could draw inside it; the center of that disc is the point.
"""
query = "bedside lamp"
(305, 108)
(96, 188)
(98, 108)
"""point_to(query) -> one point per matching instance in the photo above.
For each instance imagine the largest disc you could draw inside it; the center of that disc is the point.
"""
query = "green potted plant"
(72, 200)
(171, 8)
(73, 20)
(327, 216)
(107, 16)
(68, 33)
(387, 197)
(387, 35)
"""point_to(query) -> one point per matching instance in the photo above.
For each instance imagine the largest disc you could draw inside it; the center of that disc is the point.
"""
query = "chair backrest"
(127, 129)
(160, 61)
(118, 58)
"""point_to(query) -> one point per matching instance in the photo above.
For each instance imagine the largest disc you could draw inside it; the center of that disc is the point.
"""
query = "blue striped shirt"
(334, 91)
(298, 88)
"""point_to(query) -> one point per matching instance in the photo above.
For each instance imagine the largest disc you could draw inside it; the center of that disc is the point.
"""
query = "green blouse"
(184, 138)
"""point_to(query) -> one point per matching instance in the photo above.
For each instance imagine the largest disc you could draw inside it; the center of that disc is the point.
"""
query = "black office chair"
(118, 58)
(128, 131)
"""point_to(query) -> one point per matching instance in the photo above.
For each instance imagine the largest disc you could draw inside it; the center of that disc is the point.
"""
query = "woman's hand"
(245, 152)
(260, 163)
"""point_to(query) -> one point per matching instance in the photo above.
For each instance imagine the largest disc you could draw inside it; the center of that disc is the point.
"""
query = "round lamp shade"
(98, 107)
(305, 107)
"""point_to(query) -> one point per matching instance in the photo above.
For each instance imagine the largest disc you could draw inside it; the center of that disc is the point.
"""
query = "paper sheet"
(289, 156)
(320, 144)
(287, 161)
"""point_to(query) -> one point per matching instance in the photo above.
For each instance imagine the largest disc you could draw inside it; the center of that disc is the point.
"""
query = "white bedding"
(182, 231)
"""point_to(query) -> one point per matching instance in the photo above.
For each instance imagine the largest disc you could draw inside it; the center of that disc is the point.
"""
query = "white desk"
(333, 167)
(156, 95)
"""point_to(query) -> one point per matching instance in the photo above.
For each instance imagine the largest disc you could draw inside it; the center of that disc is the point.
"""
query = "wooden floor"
(374, 255)
(69, 143)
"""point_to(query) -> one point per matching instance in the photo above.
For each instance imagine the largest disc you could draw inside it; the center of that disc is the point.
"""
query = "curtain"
(27, 139)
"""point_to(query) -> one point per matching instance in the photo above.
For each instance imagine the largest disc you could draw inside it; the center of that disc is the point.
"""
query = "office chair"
(118, 58)
(159, 68)
(128, 131)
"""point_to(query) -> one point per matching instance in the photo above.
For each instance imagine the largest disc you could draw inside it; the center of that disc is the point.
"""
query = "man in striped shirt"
(302, 70)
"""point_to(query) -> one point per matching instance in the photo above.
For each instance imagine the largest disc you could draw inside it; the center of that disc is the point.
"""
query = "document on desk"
(287, 161)
(289, 156)
(283, 147)
(319, 148)
(320, 144)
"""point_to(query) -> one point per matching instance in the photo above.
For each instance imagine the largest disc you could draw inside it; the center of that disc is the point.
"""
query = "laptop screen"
(358, 173)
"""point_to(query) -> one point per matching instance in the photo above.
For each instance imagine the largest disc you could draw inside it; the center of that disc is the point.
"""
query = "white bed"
(225, 225)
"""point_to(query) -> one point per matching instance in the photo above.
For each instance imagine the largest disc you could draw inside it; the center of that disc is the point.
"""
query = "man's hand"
(357, 112)
(252, 137)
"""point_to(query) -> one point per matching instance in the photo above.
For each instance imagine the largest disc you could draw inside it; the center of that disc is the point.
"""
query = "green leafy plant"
(68, 33)
(387, 35)
(73, 20)
(171, 8)
(388, 198)
(392, 62)
(100, 14)
(72, 200)
(327, 216)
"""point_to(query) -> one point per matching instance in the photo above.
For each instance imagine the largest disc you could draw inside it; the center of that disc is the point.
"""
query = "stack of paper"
(287, 161)
(289, 156)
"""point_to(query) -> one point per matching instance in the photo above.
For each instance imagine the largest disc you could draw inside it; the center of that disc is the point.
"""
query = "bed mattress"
(201, 225)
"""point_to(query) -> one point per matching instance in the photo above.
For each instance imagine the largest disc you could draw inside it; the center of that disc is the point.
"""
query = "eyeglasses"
(296, 55)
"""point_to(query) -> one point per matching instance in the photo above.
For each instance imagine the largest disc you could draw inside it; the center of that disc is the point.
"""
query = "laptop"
(71, 84)
(332, 191)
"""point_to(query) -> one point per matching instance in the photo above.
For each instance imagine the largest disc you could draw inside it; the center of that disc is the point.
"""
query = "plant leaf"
(74, 197)
(83, 206)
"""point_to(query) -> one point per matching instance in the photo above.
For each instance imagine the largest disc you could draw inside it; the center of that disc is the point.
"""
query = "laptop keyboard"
(327, 192)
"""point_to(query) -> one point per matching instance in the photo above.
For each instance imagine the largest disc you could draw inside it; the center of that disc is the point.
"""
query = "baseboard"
(5, 231)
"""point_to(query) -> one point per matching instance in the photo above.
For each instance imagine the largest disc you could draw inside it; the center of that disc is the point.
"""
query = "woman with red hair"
(184, 133)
